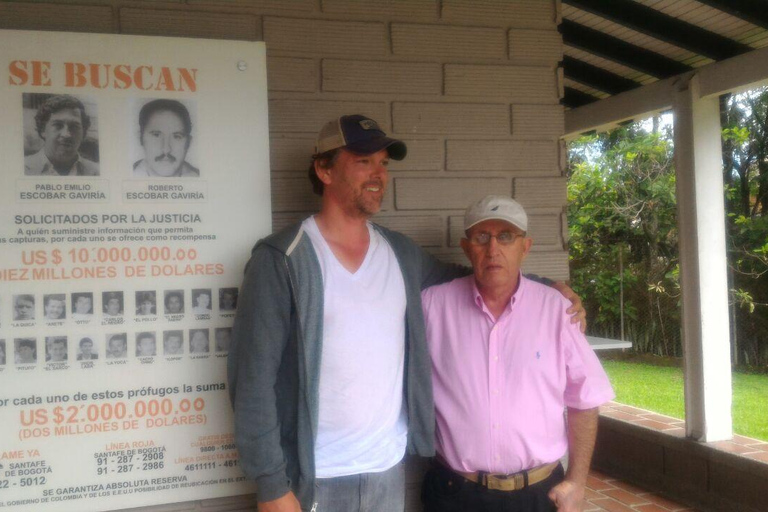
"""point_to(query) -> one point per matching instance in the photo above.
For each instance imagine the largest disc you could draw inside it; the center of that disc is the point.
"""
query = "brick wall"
(471, 85)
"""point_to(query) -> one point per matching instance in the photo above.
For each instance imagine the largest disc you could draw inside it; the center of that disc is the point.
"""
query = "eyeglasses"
(504, 238)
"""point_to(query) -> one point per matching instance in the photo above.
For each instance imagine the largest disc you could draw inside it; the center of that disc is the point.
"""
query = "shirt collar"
(48, 169)
(512, 302)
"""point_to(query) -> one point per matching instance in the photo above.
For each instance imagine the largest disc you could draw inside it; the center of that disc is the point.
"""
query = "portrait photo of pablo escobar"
(60, 135)
(164, 144)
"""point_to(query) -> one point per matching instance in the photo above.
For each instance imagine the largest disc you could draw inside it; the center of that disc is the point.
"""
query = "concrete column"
(701, 221)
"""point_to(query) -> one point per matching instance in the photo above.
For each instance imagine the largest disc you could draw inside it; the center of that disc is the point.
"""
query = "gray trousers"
(367, 492)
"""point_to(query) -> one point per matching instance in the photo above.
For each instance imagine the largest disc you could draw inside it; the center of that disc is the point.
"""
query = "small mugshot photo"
(227, 299)
(173, 343)
(23, 308)
(117, 346)
(2, 352)
(112, 302)
(198, 341)
(201, 301)
(174, 302)
(146, 345)
(223, 337)
(56, 349)
(55, 307)
(82, 306)
(86, 349)
(26, 350)
(163, 145)
(60, 135)
(146, 303)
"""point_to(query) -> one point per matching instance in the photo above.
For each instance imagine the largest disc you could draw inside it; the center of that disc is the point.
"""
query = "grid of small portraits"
(151, 312)
(83, 307)
(171, 343)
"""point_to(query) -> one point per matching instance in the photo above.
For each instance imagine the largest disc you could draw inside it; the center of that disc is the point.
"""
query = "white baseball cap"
(496, 208)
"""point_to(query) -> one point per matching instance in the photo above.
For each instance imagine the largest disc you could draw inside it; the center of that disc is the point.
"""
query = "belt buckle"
(504, 482)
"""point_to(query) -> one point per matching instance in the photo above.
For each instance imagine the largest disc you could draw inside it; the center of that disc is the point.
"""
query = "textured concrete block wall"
(471, 85)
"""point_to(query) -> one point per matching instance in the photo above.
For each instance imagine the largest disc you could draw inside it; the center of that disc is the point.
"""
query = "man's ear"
(465, 245)
(527, 243)
(323, 173)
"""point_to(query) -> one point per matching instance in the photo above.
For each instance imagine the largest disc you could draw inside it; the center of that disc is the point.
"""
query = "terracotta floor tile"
(761, 456)
(759, 446)
(590, 494)
(661, 418)
(676, 431)
(664, 502)
(743, 440)
(625, 497)
(600, 475)
(652, 507)
(730, 447)
(629, 409)
(655, 425)
(598, 485)
(618, 415)
(611, 505)
(630, 488)
(590, 507)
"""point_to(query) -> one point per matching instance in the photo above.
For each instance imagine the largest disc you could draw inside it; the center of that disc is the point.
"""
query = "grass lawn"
(660, 389)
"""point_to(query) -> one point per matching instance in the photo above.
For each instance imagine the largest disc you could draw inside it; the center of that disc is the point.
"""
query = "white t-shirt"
(362, 426)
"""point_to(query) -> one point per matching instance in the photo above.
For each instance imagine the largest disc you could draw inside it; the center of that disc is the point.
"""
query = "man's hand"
(286, 503)
(567, 496)
(579, 314)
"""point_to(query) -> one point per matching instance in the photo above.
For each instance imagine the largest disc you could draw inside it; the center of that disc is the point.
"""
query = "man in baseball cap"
(506, 362)
(329, 337)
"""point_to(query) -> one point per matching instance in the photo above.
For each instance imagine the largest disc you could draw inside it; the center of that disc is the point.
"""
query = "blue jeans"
(367, 492)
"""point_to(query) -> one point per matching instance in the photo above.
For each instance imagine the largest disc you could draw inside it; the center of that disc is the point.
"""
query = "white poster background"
(121, 433)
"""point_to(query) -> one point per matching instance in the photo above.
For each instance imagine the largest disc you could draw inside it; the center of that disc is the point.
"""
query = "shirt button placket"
(493, 385)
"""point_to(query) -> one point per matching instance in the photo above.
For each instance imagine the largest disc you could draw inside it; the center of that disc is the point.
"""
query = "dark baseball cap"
(358, 134)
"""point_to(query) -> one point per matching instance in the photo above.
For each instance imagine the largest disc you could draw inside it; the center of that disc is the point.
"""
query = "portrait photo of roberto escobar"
(165, 137)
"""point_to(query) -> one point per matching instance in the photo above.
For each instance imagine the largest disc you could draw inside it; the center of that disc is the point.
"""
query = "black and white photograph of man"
(60, 136)
(54, 307)
(2, 352)
(117, 346)
(173, 343)
(146, 303)
(56, 349)
(165, 135)
(198, 341)
(23, 308)
(201, 301)
(87, 349)
(227, 299)
(146, 345)
(223, 338)
(82, 306)
(174, 302)
(26, 350)
(113, 303)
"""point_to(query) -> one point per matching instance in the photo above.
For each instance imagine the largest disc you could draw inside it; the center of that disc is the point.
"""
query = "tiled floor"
(740, 445)
(607, 493)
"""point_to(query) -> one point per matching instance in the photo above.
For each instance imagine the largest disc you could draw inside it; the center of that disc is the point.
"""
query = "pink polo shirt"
(501, 386)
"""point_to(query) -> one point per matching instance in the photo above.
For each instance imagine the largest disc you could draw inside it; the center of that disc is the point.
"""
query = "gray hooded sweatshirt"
(274, 360)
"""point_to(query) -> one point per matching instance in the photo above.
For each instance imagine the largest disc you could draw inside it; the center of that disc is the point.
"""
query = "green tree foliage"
(621, 195)
(745, 171)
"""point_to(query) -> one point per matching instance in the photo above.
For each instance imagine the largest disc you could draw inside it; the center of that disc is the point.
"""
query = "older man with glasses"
(506, 363)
